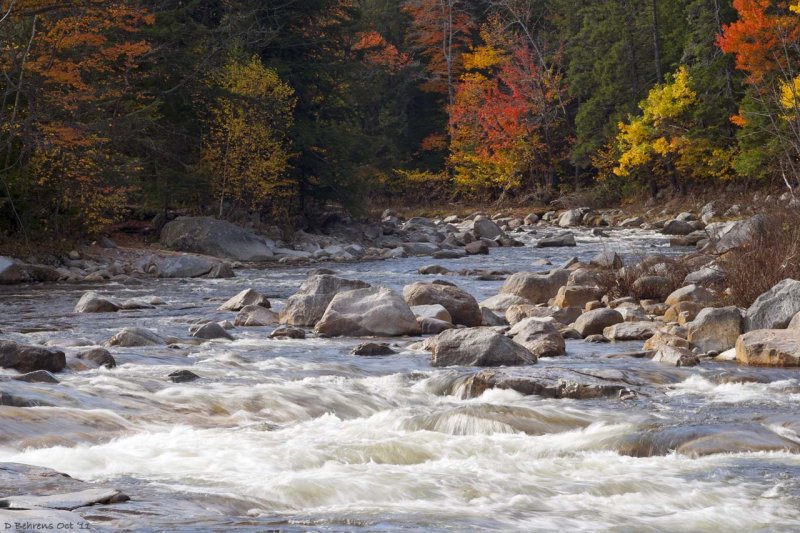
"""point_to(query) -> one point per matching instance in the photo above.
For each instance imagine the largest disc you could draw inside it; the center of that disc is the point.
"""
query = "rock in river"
(256, 315)
(243, 299)
(463, 307)
(764, 347)
(594, 322)
(371, 311)
(133, 337)
(91, 302)
(218, 238)
(308, 304)
(775, 308)
(26, 358)
(478, 347)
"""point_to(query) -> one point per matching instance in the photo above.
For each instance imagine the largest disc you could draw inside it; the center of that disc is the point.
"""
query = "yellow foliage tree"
(247, 147)
(661, 139)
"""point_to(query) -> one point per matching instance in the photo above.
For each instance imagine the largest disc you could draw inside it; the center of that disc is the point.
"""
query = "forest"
(118, 109)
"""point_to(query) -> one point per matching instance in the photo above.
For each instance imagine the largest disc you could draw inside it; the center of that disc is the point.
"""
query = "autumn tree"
(247, 147)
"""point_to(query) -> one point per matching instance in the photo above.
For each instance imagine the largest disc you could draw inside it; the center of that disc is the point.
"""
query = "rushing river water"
(299, 435)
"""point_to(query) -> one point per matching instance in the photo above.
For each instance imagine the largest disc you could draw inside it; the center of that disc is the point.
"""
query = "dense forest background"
(278, 108)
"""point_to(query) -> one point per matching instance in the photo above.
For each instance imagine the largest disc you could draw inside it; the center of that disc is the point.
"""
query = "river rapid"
(299, 435)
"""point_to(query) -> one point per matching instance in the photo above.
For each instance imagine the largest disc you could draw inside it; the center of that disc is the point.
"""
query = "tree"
(246, 147)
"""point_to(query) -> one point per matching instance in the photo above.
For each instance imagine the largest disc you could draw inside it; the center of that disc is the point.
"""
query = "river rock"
(210, 331)
(715, 330)
(372, 311)
(99, 356)
(255, 316)
(536, 288)
(373, 349)
(764, 347)
(186, 266)
(243, 299)
(287, 332)
(13, 271)
(775, 308)
(182, 376)
(561, 240)
(551, 382)
(572, 217)
(37, 376)
(501, 302)
(540, 337)
(491, 319)
(434, 311)
(134, 337)
(306, 307)
(683, 310)
(726, 236)
(218, 238)
(594, 322)
(433, 326)
(567, 315)
(91, 302)
(706, 276)
(689, 293)
(27, 358)
(678, 227)
(478, 347)
(486, 229)
(630, 331)
(674, 356)
(463, 307)
(662, 338)
(477, 248)
(577, 295)
(607, 260)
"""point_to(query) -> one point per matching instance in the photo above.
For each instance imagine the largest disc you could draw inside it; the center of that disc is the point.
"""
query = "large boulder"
(572, 217)
(561, 240)
(715, 330)
(478, 347)
(435, 311)
(187, 266)
(765, 347)
(14, 271)
(243, 299)
(725, 236)
(594, 322)
(25, 358)
(486, 229)
(218, 238)
(678, 227)
(689, 293)
(577, 295)
(536, 288)
(630, 331)
(775, 308)
(210, 331)
(501, 302)
(463, 307)
(675, 356)
(540, 337)
(372, 311)
(135, 337)
(91, 302)
(308, 304)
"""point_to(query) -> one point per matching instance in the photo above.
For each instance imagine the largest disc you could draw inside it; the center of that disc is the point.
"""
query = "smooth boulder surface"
(577, 295)
(562, 240)
(678, 227)
(243, 299)
(13, 271)
(91, 302)
(210, 331)
(255, 316)
(218, 238)
(594, 322)
(540, 337)
(631, 331)
(98, 356)
(775, 308)
(189, 266)
(375, 311)
(536, 288)
(486, 229)
(478, 347)
(765, 347)
(675, 356)
(715, 330)
(134, 337)
(689, 293)
(462, 306)
(501, 302)
(434, 311)
(308, 304)
(27, 358)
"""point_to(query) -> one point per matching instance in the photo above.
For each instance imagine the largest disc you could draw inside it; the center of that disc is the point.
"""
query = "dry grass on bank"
(621, 284)
(772, 256)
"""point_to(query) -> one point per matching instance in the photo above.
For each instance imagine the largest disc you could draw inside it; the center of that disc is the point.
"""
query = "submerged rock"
(98, 356)
(182, 376)
(287, 332)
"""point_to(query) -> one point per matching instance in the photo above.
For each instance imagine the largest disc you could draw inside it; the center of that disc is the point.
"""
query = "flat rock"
(630, 331)
(477, 347)
(764, 347)
(65, 502)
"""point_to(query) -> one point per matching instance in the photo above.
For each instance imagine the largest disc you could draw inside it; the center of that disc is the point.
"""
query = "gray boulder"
(486, 229)
(255, 316)
(536, 288)
(715, 330)
(562, 240)
(478, 347)
(13, 271)
(775, 308)
(91, 302)
(764, 347)
(98, 356)
(631, 331)
(363, 312)
(675, 356)
(218, 238)
(594, 322)
(306, 307)
(243, 299)
(678, 227)
(26, 358)
(134, 337)
(463, 307)
(540, 337)
(210, 331)
(187, 266)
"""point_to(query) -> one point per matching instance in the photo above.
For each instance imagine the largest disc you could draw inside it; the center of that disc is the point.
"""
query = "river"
(299, 435)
